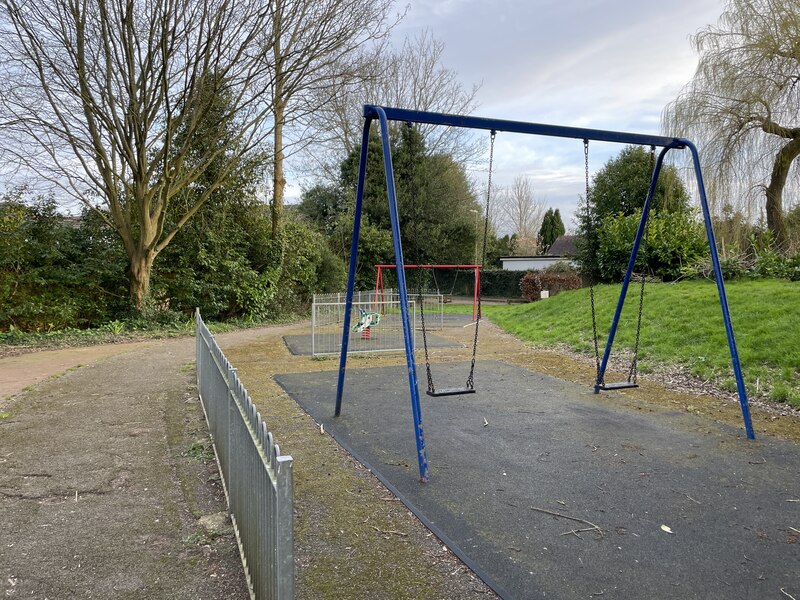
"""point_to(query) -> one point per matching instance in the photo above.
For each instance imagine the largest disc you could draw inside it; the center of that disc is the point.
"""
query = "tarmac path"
(101, 488)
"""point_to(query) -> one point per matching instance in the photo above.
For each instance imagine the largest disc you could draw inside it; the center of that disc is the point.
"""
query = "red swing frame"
(379, 289)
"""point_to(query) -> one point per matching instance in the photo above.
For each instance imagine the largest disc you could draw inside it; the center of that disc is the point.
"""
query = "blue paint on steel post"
(422, 456)
(351, 275)
(629, 272)
(723, 298)
(599, 135)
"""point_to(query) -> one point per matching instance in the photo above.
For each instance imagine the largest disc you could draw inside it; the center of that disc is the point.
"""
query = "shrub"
(500, 283)
(534, 282)
(55, 272)
(674, 241)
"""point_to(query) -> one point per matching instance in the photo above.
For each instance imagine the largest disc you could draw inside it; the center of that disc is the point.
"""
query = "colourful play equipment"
(366, 320)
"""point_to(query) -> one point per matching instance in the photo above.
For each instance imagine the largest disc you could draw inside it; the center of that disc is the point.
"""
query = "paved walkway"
(100, 482)
(19, 372)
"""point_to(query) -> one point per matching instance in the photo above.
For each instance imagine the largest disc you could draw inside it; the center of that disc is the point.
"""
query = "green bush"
(673, 241)
(55, 272)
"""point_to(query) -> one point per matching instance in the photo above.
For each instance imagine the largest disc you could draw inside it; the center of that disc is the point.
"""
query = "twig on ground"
(575, 532)
(389, 532)
(592, 526)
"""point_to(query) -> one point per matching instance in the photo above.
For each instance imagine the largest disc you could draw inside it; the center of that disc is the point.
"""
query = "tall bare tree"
(315, 47)
(104, 97)
(413, 77)
(522, 213)
(742, 104)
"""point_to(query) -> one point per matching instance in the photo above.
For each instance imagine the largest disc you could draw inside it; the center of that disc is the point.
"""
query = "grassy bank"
(682, 326)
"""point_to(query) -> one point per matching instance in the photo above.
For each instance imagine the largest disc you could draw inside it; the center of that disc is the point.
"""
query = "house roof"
(564, 246)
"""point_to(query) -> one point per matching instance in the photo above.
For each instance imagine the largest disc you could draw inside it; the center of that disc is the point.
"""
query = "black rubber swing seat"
(454, 391)
(619, 385)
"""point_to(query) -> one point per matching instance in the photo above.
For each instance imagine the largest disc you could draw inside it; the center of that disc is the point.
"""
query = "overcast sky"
(604, 64)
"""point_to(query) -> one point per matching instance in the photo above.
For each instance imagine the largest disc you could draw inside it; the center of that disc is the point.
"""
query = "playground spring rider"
(365, 321)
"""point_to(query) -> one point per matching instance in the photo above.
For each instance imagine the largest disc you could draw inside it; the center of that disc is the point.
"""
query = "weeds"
(202, 450)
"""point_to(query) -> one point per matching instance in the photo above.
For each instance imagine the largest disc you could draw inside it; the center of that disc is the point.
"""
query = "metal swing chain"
(418, 252)
(634, 369)
(590, 225)
(470, 379)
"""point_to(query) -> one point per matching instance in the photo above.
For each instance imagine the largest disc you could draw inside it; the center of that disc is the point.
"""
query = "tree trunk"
(774, 205)
(278, 179)
(141, 267)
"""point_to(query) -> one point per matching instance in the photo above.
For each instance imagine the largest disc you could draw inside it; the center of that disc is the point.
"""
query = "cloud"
(606, 64)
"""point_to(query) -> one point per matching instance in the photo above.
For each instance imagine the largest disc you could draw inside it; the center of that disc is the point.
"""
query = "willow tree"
(742, 103)
(103, 98)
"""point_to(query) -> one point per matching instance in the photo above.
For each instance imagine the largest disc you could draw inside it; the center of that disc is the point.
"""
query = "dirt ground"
(105, 473)
(103, 476)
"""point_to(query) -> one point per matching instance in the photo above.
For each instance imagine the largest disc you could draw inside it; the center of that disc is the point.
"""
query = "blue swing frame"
(385, 114)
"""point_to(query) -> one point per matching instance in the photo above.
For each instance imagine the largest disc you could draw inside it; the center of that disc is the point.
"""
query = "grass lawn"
(681, 326)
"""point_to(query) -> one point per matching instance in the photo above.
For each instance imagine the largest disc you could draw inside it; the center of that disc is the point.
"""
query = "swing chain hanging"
(470, 384)
(470, 379)
(634, 368)
(418, 258)
(590, 228)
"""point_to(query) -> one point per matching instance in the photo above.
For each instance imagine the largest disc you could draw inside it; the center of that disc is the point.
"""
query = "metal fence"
(327, 322)
(432, 302)
(256, 477)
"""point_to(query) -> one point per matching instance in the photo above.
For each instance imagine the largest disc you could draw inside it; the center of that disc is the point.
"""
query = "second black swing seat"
(452, 391)
(617, 385)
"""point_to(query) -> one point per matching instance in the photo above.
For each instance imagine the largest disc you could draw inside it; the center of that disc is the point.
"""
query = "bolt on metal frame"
(385, 114)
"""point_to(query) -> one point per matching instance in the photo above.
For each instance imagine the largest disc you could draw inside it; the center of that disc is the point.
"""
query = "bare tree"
(314, 50)
(411, 77)
(104, 97)
(522, 213)
(742, 104)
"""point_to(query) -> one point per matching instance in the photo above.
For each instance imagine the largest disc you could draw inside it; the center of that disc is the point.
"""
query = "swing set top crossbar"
(467, 122)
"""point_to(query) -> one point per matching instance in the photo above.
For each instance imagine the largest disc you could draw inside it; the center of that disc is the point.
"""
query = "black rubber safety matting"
(683, 507)
(379, 342)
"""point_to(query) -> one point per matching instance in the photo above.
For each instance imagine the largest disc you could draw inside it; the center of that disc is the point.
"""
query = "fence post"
(285, 552)
(233, 441)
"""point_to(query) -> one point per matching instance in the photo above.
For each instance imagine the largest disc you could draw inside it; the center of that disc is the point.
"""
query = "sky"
(603, 64)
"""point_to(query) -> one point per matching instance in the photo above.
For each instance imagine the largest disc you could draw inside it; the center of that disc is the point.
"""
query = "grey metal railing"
(256, 477)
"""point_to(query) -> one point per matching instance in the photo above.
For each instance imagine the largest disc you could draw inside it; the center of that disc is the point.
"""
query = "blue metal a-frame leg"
(723, 298)
(422, 456)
